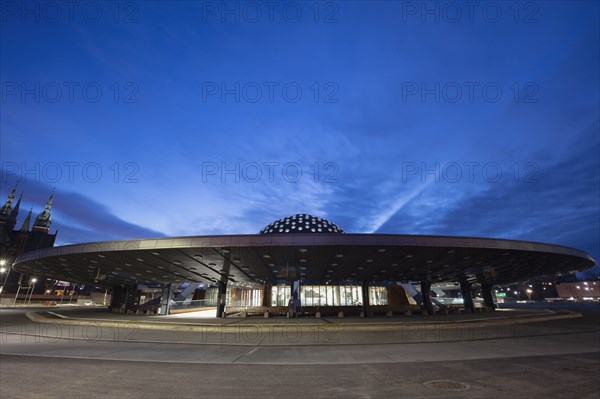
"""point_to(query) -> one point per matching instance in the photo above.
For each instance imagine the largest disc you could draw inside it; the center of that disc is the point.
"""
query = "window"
(378, 296)
(280, 295)
(243, 297)
(327, 295)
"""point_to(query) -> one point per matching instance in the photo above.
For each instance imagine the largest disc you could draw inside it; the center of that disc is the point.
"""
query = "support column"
(426, 295)
(130, 297)
(118, 297)
(295, 306)
(222, 296)
(488, 299)
(266, 297)
(165, 299)
(465, 289)
(222, 293)
(365, 295)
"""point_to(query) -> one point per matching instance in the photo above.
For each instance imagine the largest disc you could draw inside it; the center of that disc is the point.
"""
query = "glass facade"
(378, 296)
(280, 295)
(212, 296)
(310, 295)
(329, 295)
(243, 297)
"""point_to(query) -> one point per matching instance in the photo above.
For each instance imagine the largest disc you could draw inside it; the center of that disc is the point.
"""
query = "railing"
(192, 305)
(449, 301)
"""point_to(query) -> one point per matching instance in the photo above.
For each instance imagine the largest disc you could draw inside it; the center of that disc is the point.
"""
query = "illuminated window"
(327, 295)
(243, 297)
(212, 296)
(280, 295)
(378, 296)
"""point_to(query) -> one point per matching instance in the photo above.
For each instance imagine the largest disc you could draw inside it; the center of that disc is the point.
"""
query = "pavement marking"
(249, 352)
(346, 362)
(164, 325)
(287, 344)
(57, 315)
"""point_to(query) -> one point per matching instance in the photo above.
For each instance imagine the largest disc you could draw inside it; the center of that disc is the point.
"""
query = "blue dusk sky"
(175, 118)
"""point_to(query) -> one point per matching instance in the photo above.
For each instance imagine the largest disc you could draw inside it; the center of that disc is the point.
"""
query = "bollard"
(267, 314)
(340, 314)
(318, 315)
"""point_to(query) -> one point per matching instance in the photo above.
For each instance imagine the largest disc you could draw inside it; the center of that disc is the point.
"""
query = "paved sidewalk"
(292, 332)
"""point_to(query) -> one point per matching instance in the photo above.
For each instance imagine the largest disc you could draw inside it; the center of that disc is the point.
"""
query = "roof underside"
(319, 258)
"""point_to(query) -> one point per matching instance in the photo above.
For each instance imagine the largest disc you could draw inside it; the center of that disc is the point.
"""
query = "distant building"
(14, 242)
(579, 289)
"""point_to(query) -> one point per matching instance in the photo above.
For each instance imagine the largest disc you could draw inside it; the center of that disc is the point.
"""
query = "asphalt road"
(561, 359)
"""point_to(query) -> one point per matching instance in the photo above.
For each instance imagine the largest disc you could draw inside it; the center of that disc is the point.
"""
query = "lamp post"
(72, 293)
(529, 291)
(32, 287)
(18, 290)
(4, 269)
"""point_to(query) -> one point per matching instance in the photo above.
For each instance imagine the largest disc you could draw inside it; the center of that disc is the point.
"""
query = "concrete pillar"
(426, 295)
(488, 299)
(465, 289)
(397, 298)
(266, 297)
(165, 298)
(222, 296)
(116, 298)
(365, 295)
(130, 297)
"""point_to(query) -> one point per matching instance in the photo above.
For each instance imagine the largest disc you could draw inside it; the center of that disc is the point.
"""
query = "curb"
(39, 317)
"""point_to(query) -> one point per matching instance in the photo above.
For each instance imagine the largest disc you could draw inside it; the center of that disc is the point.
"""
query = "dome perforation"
(302, 223)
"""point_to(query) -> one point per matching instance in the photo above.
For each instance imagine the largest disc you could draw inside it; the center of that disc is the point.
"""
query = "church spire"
(27, 222)
(44, 219)
(7, 207)
(8, 215)
(15, 212)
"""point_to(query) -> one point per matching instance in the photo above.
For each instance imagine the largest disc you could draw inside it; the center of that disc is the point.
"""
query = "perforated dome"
(302, 223)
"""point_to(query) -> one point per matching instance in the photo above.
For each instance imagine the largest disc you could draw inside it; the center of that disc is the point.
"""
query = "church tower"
(44, 219)
(8, 215)
(14, 241)
(26, 223)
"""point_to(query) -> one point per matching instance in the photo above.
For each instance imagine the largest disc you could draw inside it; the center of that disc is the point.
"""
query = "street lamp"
(3, 269)
(33, 280)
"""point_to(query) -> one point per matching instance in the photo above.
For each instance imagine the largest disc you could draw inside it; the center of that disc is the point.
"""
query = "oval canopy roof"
(313, 258)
